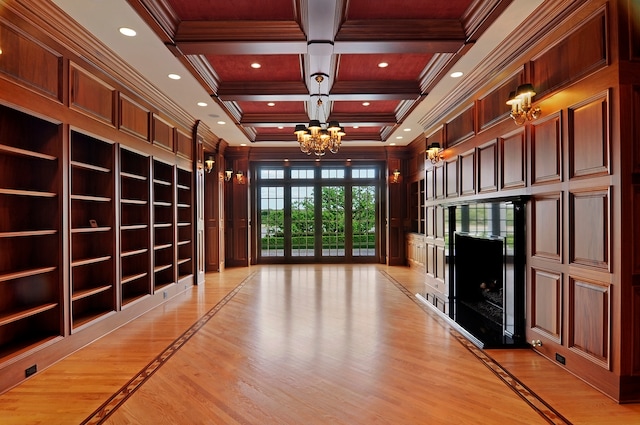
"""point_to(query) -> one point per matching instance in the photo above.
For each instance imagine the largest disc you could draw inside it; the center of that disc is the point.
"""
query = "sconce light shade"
(395, 177)
(520, 102)
(208, 164)
(525, 90)
(240, 177)
(434, 152)
(227, 175)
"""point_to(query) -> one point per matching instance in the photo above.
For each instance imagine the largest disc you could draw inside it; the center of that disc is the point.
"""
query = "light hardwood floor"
(303, 344)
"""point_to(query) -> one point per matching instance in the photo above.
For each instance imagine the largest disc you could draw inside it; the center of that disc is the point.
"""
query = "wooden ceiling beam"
(286, 37)
(297, 91)
(263, 91)
(360, 137)
(373, 119)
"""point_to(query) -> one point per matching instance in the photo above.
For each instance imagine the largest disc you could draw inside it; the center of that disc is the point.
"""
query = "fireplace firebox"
(487, 271)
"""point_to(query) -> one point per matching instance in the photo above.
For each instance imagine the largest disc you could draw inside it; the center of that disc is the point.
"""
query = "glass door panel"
(272, 221)
(302, 221)
(333, 221)
(363, 224)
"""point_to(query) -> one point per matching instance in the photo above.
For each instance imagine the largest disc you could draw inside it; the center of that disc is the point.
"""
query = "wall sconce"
(434, 152)
(240, 177)
(208, 164)
(227, 175)
(520, 102)
(395, 177)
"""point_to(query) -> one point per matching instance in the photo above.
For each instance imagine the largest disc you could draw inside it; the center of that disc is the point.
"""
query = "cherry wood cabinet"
(30, 228)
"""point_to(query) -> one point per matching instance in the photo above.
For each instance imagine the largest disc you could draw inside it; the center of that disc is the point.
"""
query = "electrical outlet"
(560, 359)
(30, 371)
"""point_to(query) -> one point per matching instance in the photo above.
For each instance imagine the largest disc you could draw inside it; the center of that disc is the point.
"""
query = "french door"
(318, 213)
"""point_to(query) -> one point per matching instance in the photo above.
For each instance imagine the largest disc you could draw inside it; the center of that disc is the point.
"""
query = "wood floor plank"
(324, 345)
(303, 344)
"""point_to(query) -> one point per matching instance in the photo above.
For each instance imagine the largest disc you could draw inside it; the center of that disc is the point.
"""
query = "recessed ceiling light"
(271, 104)
(456, 74)
(398, 137)
(317, 159)
(127, 31)
(202, 103)
(222, 122)
(280, 127)
(407, 129)
(383, 65)
(255, 65)
(174, 76)
(392, 144)
(366, 103)
(286, 160)
(243, 144)
(356, 126)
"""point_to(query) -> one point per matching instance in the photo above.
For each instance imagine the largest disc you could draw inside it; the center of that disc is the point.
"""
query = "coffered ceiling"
(255, 62)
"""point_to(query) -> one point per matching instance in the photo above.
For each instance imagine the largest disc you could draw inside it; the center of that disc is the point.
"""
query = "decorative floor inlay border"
(117, 399)
(532, 399)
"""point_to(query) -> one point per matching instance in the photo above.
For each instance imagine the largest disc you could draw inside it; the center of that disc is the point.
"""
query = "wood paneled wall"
(572, 163)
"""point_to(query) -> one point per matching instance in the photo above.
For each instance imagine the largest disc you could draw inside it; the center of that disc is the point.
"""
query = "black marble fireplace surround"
(487, 271)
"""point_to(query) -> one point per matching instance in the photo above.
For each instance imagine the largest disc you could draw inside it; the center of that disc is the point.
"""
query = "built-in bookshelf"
(135, 234)
(185, 226)
(164, 234)
(92, 229)
(30, 232)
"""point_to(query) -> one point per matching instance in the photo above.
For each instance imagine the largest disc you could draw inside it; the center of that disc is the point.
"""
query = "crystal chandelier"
(319, 136)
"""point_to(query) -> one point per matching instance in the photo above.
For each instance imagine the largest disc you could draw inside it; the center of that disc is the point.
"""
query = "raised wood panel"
(440, 262)
(488, 167)
(581, 52)
(30, 62)
(461, 127)
(635, 331)
(513, 160)
(451, 170)
(431, 221)
(634, 30)
(589, 233)
(635, 229)
(546, 299)
(185, 145)
(163, 134)
(440, 222)
(429, 184)
(589, 137)
(431, 259)
(589, 319)
(635, 123)
(492, 107)
(436, 137)
(134, 118)
(546, 150)
(439, 182)
(240, 242)
(468, 173)
(91, 96)
(546, 223)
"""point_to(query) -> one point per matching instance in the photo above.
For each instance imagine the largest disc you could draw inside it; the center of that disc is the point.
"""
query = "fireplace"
(487, 271)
